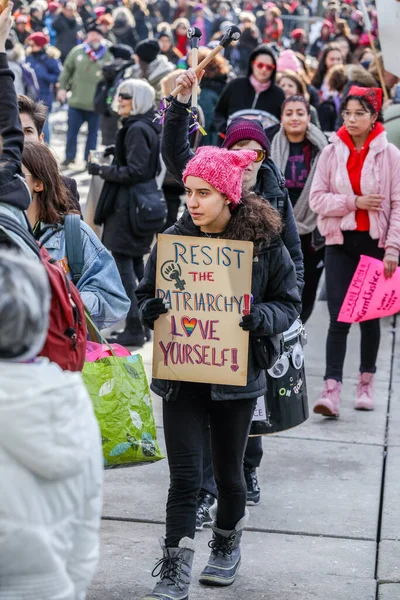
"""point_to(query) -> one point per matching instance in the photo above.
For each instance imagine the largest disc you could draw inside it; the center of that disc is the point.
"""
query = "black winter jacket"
(276, 294)
(240, 94)
(270, 184)
(13, 189)
(137, 155)
(67, 31)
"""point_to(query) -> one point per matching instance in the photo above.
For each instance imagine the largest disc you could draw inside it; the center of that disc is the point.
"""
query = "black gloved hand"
(94, 168)
(109, 151)
(153, 309)
(252, 321)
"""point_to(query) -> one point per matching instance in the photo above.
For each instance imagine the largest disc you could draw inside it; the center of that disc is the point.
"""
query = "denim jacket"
(100, 286)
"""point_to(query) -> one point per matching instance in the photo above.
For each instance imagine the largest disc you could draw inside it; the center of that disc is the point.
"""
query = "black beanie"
(93, 26)
(121, 51)
(147, 50)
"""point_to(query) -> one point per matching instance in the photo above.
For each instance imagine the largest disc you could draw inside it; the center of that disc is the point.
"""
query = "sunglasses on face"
(261, 154)
(125, 96)
(261, 65)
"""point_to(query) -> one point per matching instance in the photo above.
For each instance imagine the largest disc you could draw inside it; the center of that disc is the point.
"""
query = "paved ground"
(325, 527)
(328, 526)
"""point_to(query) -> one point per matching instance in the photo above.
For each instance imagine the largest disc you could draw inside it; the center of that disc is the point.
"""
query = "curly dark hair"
(254, 220)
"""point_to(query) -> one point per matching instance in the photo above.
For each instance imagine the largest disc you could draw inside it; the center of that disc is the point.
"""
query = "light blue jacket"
(100, 286)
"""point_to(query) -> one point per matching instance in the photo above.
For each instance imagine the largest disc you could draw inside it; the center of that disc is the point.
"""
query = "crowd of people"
(300, 157)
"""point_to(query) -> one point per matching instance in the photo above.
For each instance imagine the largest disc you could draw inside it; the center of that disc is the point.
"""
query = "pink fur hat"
(223, 169)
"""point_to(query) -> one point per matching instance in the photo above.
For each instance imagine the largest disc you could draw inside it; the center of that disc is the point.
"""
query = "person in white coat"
(51, 464)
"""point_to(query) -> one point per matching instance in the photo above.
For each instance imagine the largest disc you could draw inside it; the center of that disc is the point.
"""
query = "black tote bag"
(147, 208)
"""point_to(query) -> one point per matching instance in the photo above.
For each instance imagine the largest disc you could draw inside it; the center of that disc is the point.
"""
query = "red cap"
(38, 38)
(297, 33)
(373, 95)
(53, 6)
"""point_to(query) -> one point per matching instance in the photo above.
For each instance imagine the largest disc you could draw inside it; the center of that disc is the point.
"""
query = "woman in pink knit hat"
(217, 208)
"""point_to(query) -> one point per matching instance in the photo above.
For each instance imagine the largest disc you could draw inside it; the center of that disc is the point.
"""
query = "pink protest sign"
(370, 295)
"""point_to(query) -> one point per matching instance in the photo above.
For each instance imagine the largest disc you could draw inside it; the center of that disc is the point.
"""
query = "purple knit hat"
(246, 129)
(221, 168)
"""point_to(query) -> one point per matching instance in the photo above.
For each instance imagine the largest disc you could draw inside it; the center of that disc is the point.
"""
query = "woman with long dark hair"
(295, 149)
(100, 284)
(331, 56)
(356, 193)
(217, 208)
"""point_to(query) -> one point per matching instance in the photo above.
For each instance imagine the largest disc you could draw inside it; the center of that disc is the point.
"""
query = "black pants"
(313, 267)
(131, 270)
(252, 459)
(184, 422)
(340, 265)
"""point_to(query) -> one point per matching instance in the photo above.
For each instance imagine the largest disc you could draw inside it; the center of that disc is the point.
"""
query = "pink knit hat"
(288, 61)
(223, 169)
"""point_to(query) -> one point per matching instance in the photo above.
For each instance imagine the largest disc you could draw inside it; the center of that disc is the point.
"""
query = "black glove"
(94, 168)
(252, 321)
(153, 309)
(109, 151)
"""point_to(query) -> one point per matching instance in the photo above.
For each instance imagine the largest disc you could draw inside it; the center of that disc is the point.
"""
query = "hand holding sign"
(371, 295)
(153, 309)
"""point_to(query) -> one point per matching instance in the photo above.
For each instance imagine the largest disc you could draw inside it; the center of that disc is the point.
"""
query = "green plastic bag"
(122, 403)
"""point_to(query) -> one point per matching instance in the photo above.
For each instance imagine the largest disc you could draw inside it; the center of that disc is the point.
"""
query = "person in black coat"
(256, 91)
(217, 208)
(175, 148)
(270, 185)
(136, 152)
(67, 28)
(113, 74)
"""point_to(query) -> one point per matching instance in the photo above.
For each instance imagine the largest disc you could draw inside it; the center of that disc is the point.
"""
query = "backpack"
(31, 84)
(73, 243)
(66, 338)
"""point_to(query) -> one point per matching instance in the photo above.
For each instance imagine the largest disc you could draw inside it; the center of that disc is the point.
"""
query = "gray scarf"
(306, 219)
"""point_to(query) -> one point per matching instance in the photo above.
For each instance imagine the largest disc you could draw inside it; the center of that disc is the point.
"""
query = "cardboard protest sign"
(370, 295)
(389, 28)
(207, 285)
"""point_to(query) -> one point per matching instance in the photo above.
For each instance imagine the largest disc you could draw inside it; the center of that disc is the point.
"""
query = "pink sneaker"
(328, 403)
(364, 400)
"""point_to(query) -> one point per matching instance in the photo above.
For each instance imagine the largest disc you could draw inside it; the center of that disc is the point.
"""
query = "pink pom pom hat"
(223, 169)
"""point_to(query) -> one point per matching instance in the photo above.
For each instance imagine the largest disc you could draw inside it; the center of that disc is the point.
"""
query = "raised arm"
(175, 146)
(13, 189)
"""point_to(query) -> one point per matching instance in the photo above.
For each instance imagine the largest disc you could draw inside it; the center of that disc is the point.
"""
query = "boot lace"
(221, 545)
(202, 511)
(169, 568)
(251, 480)
(364, 387)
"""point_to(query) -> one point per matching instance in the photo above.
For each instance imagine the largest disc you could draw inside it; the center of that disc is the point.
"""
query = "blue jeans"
(76, 118)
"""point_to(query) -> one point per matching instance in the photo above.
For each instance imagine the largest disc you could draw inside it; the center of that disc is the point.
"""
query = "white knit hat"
(24, 306)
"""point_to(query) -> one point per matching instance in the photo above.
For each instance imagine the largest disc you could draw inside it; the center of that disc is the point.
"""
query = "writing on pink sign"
(370, 295)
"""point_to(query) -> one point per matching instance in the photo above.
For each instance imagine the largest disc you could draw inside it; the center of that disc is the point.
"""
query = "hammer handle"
(198, 70)
(195, 89)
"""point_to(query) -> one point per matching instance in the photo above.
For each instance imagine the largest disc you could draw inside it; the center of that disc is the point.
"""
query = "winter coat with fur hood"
(51, 469)
(275, 292)
(333, 199)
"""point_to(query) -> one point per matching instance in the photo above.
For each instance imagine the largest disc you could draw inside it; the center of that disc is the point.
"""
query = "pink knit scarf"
(259, 87)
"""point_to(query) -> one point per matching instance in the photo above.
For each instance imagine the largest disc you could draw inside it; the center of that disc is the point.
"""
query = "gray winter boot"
(174, 570)
(224, 561)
